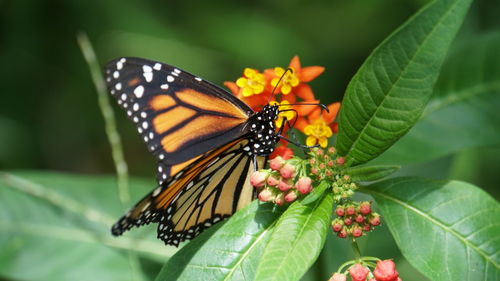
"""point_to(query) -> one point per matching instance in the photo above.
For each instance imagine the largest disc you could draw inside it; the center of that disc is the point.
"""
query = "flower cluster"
(290, 87)
(385, 270)
(325, 164)
(283, 183)
(354, 219)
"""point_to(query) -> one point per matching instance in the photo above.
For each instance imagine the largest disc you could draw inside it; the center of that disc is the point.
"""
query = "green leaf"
(297, 240)
(51, 222)
(230, 253)
(447, 230)
(467, 97)
(370, 173)
(316, 193)
(389, 92)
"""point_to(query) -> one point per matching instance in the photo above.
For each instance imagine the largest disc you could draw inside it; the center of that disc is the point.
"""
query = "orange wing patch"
(166, 121)
(176, 187)
(161, 102)
(210, 103)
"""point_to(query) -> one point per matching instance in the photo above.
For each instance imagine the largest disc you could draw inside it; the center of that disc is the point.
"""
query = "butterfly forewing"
(205, 192)
(175, 112)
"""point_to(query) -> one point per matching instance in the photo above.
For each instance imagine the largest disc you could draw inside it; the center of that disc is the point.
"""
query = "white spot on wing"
(157, 66)
(170, 78)
(148, 76)
(139, 91)
(164, 86)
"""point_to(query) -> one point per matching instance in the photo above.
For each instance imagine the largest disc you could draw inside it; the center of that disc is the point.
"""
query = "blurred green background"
(49, 118)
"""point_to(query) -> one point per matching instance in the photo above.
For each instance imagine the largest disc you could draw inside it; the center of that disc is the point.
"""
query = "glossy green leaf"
(370, 173)
(447, 230)
(316, 193)
(389, 92)
(230, 253)
(464, 110)
(50, 223)
(296, 241)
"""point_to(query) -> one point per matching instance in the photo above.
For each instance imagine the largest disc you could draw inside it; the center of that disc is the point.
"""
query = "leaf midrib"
(285, 258)
(398, 79)
(438, 223)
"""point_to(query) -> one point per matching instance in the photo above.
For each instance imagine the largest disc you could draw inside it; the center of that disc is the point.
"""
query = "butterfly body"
(206, 141)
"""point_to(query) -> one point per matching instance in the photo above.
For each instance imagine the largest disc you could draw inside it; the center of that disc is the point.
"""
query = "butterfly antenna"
(277, 84)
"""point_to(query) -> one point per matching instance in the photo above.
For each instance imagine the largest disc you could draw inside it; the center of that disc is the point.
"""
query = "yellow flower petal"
(309, 130)
(250, 73)
(310, 141)
(323, 142)
(286, 89)
(247, 92)
(279, 71)
(241, 82)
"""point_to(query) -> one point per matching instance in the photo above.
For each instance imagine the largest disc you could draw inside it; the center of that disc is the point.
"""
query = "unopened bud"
(365, 208)
(280, 199)
(340, 211)
(341, 160)
(273, 181)
(276, 163)
(291, 196)
(358, 272)
(304, 185)
(258, 178)
(287, 171)
(266, 195)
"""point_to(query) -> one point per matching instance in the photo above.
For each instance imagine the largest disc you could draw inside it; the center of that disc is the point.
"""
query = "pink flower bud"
(314, 171)
(356, 231)
(312, 161)
(283, 185)
(287, 171)
(272, 181)
(341, 160)
(304, 185)
(358, 272)
(340, 211)
(359, 218)
(342, 233)
(276, 163)
(266, 195)
(330, 163)
(337, 225)
(258, 179)
(319, 152)
(329, 173)
(291, 196)
(322, 166)
(386, 271)
(280, 199)
(338, 277)
(348, 221)
(367, 227)
(375, 220)
(350, 210)
(365, 208)
(331, 150)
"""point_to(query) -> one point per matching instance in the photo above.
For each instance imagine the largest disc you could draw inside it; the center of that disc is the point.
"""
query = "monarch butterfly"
(207, 143)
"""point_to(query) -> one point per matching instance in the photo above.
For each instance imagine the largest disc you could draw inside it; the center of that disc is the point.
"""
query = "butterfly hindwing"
(174, 111)
(202, 194)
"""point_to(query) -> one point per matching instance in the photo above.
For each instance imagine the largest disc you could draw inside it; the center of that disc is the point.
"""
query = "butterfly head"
(263, 131)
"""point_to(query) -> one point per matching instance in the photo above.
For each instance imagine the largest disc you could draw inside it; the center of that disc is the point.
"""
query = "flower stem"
(357, 252)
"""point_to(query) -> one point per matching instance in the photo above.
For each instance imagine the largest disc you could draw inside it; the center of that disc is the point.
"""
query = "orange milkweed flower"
(318, 125)
(294, 82)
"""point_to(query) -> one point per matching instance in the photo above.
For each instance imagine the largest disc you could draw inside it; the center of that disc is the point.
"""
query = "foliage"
(55, 226)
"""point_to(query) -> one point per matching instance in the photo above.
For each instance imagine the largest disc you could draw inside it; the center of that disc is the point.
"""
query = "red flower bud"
(276, 163)
(365, 208)
(340, 211)
(356, 231)
(375, 220)
(291, 196)
(283, 185)
(350, 210)
(322, 166)
(266, 195)
(337, 225)
(358, 272)
(331, 150)
(386, 271)
(341, 160)
(287, 171)
(342, 233)
(338, 277)
(272, 181)
(367, 227)
(314, 171)
(280, 199)
(319, 152)
(304, 185)
(258, 178)
(359, 218)
(347, 221)
(330, 163)
(329, 173)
